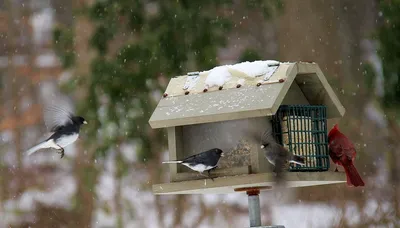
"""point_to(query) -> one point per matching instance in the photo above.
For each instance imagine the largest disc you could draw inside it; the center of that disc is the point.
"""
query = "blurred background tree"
(117, 57)
(138, 46)
(389, 50)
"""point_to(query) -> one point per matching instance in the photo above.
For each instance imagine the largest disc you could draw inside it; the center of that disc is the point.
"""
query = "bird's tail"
(39, 146)
(171, 162)
(352, 175)
(297, 159)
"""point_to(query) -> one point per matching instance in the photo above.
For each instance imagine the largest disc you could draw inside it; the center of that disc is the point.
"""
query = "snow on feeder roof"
(244, 90)
(219, 107)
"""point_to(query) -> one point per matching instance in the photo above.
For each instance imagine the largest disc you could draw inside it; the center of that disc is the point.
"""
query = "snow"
(65, 76)
(254, 69)
(59, 196)
(106, 187)
(369, 54)
(305, 215)
(375, 115)
(42, 23)
(46, 60)
(219, 75)
(241, 81)
(352, 213)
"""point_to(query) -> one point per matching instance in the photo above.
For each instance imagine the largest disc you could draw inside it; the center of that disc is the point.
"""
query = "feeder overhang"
(188, 101)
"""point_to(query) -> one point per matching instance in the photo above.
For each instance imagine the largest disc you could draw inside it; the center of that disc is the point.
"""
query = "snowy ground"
(139, 209)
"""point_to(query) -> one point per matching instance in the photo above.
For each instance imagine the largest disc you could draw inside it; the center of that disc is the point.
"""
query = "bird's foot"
(61, 152)
(209, 173)
(208, 176)
(336, 170)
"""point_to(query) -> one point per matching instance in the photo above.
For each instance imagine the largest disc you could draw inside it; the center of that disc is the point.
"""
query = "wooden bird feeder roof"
(242, 96)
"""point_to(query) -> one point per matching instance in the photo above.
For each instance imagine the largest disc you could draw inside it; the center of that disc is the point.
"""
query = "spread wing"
(262, 138)
(58, 113)
(268, 137)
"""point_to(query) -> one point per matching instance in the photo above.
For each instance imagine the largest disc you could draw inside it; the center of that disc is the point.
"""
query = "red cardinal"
(342, 152)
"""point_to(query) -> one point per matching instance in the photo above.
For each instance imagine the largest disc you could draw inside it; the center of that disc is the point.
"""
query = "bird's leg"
(336, 169)
(209, 174)
(204, 175)
(61, 152)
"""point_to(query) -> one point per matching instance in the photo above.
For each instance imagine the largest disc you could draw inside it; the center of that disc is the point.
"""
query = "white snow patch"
(306, 215)
(371, 209)
(131, 194)
(129, 151)
(59, 196)
(48, 90)
(375, 115)
(218, 77)
(46, 60)
(211, 200)
(106, 187)
(236, 199)
(42, 23)
(6, 136)
(370, 55)
(254, 69)
(352, 214)
(103, 219)
(66, 75)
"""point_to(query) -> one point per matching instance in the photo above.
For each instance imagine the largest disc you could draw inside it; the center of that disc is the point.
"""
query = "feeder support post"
(254, 207)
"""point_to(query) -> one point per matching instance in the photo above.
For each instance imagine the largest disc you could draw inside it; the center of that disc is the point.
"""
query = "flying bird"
(204, 161)
(63, 126)
(342, 152)
(277, 155)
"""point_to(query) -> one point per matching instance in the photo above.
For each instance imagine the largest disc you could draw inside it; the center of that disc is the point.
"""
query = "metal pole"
(254, 205)
(254, 208)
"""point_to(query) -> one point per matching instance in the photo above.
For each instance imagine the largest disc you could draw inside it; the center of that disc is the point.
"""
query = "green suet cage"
(302, 129)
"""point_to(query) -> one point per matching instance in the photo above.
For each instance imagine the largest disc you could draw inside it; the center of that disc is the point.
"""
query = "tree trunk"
(85, 171)
(118, 188)
(15, 85)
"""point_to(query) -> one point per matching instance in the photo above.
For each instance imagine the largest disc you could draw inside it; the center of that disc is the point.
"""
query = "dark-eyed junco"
(277, 155)
(204, 161)
(63, 125)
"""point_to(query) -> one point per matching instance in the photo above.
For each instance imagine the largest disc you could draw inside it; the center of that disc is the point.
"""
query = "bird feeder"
(217, 109)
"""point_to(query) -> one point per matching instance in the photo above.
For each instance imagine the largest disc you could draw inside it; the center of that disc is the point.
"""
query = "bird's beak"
(84, 122)
(262, 146)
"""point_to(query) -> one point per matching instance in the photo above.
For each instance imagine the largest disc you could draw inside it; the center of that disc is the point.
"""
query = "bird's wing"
(267, 136)
(195, 158)
(200, 157)
(281, 163)
(58, 113)
(341, 146)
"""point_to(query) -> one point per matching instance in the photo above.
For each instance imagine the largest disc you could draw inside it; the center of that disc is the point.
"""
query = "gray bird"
(277, 155)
